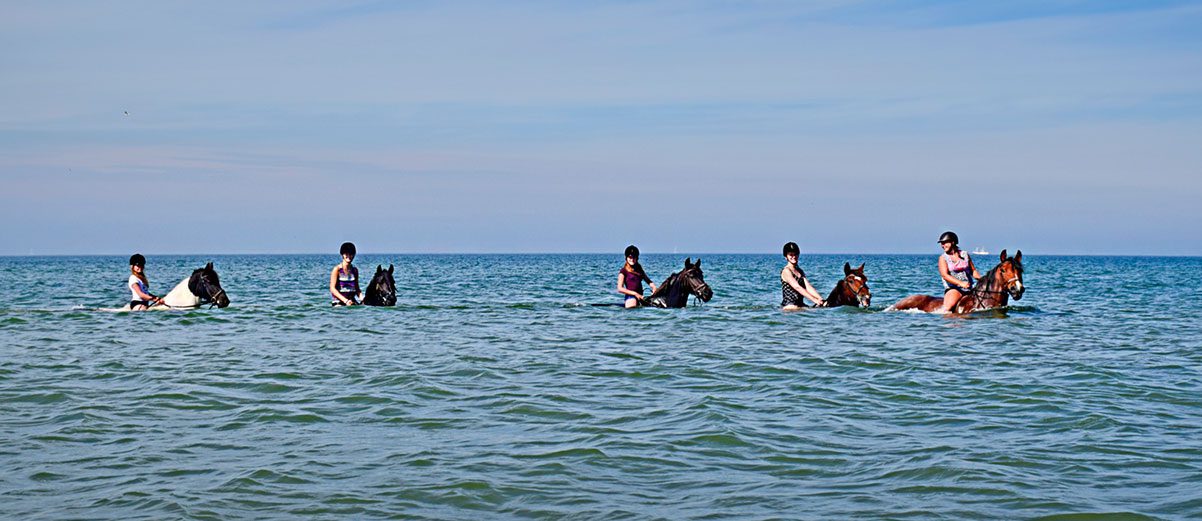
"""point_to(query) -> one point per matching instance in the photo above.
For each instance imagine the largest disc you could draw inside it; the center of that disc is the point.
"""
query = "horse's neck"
(837, 294)
(667, 285)
(181, 296)
(985, 295)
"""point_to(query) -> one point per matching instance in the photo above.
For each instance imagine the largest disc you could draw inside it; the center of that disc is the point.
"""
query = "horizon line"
(281, 254)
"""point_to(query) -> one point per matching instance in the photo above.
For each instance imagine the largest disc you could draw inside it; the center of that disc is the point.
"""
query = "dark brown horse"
(382, 290)
(992, 291)
(675, 291)
(852, 290)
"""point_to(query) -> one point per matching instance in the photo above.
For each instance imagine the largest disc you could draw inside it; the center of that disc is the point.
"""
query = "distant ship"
(980, 251)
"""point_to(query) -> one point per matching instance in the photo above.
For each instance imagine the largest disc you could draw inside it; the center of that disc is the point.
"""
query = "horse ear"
(861, 268)
(209, 266)
(698, 265)
(846, 268)
(379, 268)
(390, 269)
(1003, 256)
(1018, 256)
(688, 262)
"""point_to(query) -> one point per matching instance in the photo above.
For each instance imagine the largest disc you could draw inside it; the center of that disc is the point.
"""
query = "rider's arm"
(972, 266)
(812, 293)
(650, 282)
(802, 287)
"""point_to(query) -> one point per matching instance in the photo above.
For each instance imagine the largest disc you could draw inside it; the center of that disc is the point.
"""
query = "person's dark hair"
(348, 248)
(632, 251)
(949, 236)
(791, 247)
(137, 260)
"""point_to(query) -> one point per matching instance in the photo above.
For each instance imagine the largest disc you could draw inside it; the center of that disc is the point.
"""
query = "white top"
(135, 282)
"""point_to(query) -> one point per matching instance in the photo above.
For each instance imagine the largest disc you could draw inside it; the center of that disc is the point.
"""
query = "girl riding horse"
(956, 269)
(139, 287)
(793, 282)
(631, 277)
(344, 279)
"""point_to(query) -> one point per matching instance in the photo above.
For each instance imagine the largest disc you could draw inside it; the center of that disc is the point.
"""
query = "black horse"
(206, 286)
(382, 290)
(675, 291)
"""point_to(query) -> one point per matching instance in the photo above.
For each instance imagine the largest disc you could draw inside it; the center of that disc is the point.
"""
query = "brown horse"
(992, 291)
(851, 290)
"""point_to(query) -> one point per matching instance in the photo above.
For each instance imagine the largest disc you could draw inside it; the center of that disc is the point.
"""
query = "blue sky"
(1054, 127)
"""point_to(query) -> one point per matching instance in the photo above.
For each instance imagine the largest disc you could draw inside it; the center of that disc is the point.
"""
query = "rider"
(956, 269)
(631, 277)
(793, 282)
(139, 287)
(344, 279)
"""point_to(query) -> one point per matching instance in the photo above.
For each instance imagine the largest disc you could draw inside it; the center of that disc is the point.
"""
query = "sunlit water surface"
(495, 390)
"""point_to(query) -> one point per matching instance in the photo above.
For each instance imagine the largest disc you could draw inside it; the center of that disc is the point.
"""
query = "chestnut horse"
(851, 290)
(992, 291)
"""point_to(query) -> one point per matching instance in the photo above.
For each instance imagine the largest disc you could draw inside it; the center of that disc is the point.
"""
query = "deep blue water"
(493, 390)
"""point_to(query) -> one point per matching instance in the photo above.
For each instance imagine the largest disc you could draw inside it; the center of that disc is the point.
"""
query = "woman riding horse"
(139, 287)
(956, 269)
(344, 279)
(631, 277)
(793, 282)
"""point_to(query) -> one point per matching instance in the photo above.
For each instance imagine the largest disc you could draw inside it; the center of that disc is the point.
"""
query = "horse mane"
(668, 282)
(987, 278)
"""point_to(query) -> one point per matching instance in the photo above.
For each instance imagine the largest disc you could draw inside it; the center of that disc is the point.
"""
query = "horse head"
(1010, 273)
(694, 279)
(206, 285)
(855, 285)
(382, 290)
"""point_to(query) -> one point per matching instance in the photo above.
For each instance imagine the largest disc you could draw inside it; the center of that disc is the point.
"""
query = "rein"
(985, 284)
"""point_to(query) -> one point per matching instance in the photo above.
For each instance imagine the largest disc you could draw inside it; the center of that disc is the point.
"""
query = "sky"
(1055, 127)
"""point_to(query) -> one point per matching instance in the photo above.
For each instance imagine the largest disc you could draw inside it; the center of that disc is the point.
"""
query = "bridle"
(991, 277)
(856, 292)
(213, 296)
(385, 290)
(694, 288)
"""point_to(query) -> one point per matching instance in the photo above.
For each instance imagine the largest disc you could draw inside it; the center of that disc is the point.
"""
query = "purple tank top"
(634, 281)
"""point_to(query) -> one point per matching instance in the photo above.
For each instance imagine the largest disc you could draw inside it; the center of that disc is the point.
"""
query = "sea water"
(495, 389)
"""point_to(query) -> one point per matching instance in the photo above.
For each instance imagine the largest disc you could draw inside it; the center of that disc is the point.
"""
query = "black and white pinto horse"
(200, 288)
(382, 290)
(675, 291)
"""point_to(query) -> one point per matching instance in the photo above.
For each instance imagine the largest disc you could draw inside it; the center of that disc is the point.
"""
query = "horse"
(991, 291)
(382, 290)
(675, 291)
(202, 287)
(851, 290)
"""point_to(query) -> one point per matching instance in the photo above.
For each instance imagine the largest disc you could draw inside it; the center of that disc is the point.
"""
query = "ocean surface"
(495, 390)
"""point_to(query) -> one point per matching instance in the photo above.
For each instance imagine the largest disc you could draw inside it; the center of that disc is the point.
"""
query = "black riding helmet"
(632, 251)
(791, 247)
(137, 260)
(949, 237)
(348, 248)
